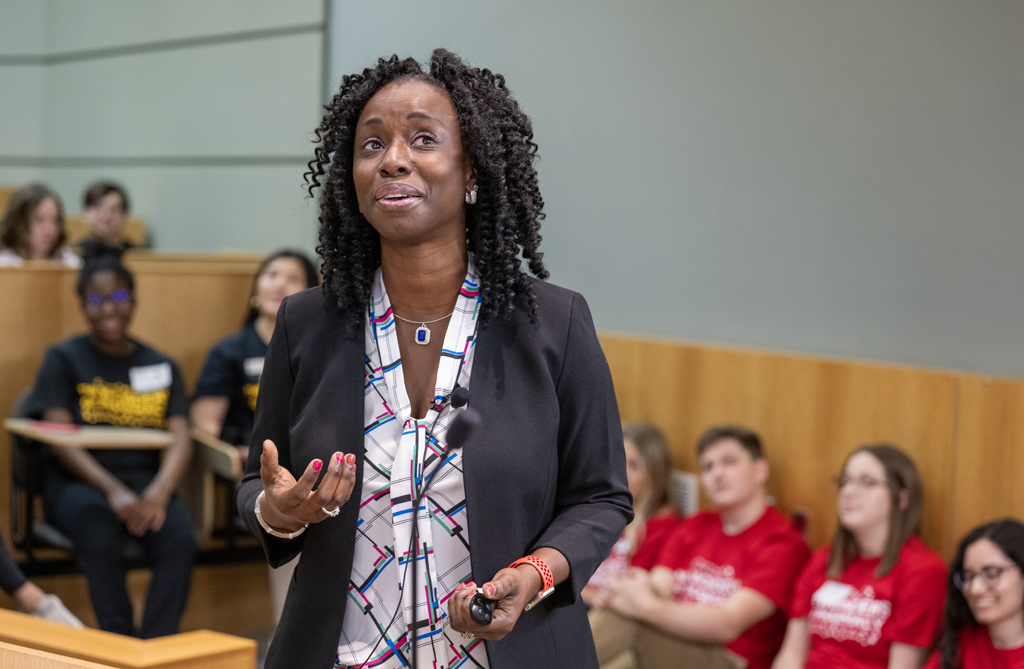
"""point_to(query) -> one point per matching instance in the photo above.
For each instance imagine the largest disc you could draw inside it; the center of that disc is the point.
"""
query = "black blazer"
(547, 467)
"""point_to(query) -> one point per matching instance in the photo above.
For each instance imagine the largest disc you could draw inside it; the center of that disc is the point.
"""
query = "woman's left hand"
(512, 588)
(148, 514)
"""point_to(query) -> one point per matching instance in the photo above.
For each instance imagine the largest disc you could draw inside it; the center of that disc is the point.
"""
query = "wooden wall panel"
(989, 468)
(810, 413)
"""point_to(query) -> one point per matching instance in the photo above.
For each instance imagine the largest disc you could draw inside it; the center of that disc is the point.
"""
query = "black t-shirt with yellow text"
(142, 389)
(233, 370)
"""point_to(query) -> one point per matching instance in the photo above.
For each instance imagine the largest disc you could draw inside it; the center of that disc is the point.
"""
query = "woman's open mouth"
(398, 201)
(397, 196)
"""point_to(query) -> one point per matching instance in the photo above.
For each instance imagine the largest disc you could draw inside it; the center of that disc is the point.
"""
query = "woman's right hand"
(289, 504)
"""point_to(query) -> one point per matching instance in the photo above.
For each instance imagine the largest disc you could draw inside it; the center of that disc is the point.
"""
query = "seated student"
(33, 229)
(96, 496)
(874, 597)
(225, 399)
(30, 597)
(719, 593)
(985, 601)
(105, 214)
(648, 469)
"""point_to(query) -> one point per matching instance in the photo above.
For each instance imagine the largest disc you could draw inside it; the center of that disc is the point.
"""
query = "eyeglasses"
(861, 482)
(120, 300)
(989, 576)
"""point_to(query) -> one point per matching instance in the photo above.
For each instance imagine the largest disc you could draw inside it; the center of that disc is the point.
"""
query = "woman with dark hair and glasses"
(985, 601)
(429, 218)
(98, 496)
(225, 397)
(873, 598)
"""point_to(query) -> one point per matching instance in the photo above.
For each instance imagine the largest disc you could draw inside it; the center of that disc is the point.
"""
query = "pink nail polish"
(317, 465)
(351, 459)
(489, 589)
(338, 457)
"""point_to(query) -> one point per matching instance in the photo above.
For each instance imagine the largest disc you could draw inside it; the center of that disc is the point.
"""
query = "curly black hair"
(499, 137)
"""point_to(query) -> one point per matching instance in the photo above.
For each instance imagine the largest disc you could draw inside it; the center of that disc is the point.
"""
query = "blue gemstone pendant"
(423, 335)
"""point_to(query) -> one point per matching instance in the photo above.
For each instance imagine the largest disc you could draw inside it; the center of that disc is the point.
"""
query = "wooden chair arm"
(218, 456)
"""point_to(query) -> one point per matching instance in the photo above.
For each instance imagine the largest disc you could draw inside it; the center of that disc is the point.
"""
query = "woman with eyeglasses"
(98, 496)
(873, 598)
(985, 601)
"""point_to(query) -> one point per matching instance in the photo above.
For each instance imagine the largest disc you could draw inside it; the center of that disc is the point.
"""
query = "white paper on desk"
(253, 366)
(151, 377)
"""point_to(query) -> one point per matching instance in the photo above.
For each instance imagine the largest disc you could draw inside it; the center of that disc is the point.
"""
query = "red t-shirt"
(854, 620)
(711, 565)
(977, 652)
(655, 531)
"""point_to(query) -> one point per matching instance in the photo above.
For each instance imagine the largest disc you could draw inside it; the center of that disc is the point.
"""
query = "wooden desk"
(202, 649)
(89, 436)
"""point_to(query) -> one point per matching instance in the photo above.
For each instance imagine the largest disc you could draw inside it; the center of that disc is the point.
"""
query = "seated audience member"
(874, 597)
(648, 469)
(105, 214)
(985, 601)
(33, 229)
(30, 597)
(225, 399)
(720, 591)
(95, 496)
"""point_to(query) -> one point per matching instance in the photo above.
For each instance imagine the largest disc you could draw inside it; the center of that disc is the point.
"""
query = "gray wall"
(22, 43)
(837, 178)
(202, 109)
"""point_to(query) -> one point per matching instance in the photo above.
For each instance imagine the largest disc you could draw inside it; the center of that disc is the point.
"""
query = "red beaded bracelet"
(546, 576)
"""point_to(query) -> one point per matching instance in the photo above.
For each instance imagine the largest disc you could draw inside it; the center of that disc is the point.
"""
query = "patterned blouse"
(400, 452)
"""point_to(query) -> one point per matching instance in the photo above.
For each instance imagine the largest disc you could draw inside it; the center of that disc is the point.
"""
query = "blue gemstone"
(421, 335)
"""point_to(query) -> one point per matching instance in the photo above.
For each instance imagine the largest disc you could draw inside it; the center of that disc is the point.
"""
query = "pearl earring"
(471, 196)
(254, 301)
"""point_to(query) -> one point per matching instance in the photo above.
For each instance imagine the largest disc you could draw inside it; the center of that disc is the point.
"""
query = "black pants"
(11, 578)
(82, 513)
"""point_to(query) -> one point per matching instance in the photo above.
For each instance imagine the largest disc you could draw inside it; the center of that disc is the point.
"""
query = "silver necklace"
(422, 332)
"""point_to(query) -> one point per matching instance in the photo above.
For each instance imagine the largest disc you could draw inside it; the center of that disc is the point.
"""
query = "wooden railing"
(29, 658)
(190, 650)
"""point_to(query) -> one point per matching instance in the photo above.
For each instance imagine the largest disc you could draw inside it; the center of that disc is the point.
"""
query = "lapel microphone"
(459, 397)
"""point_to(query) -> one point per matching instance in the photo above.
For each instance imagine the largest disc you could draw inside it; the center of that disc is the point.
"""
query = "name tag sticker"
(831, 593)
(253, 366)
(150, 378)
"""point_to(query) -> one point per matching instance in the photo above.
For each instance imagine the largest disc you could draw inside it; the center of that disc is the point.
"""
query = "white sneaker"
(52, 609)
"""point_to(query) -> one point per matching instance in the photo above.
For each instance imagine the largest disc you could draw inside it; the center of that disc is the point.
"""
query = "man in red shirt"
(719, 594)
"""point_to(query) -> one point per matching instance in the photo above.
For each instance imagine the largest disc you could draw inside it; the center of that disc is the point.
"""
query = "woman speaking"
(428, 200)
